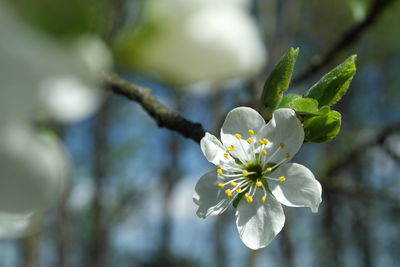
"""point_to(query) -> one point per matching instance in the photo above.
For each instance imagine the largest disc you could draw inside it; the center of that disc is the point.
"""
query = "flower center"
(255, 170)
(252, 171)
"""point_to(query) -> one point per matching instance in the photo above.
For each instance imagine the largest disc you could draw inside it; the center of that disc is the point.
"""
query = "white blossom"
(192, 41)
(252, 172)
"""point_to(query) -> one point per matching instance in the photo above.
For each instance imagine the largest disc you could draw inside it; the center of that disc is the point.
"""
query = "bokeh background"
(129, 202)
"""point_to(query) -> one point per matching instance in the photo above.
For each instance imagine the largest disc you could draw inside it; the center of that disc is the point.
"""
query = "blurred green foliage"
(65, 18)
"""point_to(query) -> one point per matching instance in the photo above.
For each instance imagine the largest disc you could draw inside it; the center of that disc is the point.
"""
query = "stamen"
(248, 198)
(245, 173)
(250, 132)
(235, 180)
(281, 145)
(219, 170)
(249, 140)
(263, 142)
(220, 186)
(237, 175)
(228, 192)
(259, 183)
(280, 162)
(266, 171)
(230, 148)
(263, 199)
(279, 179)
(264, 152)
(233, 184)
(238, 136)
(252, 190)
(287, 155)
(238, 190)
(226, 155)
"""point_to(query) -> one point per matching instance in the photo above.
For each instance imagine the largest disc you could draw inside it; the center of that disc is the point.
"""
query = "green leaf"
(304, 106)
(277, 82)
(332, 86)
(287, 99)
(322, 128)
(324, 110)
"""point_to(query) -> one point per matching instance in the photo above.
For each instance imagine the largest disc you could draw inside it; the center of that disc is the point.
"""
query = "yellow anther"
(250, 132)
(248, 198)
(219, 171)
(287, 155)
(263, 141)
(238, 136)
(264, 152)
(259, 183)
(230, 148)
(281, 145)
(238, 190)
(249, 140)
(221, 186)
(263, 199)
(233, 184)
(226, 155)
(228, 192)
(245, 173)
(282, 179)
(268, 169)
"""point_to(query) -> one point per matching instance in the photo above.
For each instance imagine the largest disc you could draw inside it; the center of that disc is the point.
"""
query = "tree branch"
(347, 39)
(160, 113)
(354, 154)
(175, 122)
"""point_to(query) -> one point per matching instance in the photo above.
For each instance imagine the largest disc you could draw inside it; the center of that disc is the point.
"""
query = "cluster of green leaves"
(321, 123)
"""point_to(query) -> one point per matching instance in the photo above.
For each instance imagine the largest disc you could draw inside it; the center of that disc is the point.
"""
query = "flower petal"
(300, 188)
(239, 121)
(210, 199)
(19, 224)
(213, 150)
(33, 170)
(258, 223)
(285, 128)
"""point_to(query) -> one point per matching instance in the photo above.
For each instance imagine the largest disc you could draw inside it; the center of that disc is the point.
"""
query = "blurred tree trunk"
(98, 237)
(63, 234)
(30, 251)
(171, 175)
(286, 243)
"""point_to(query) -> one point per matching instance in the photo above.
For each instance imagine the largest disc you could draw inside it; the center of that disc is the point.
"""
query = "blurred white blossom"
(40, 78)
(191, 41)
(34, 172)
(19, 224)
(33, 65)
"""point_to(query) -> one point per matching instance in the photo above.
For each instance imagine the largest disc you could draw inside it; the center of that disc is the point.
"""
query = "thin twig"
(161, 114)
(328, 181)
(347, 39)
(353, 154)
